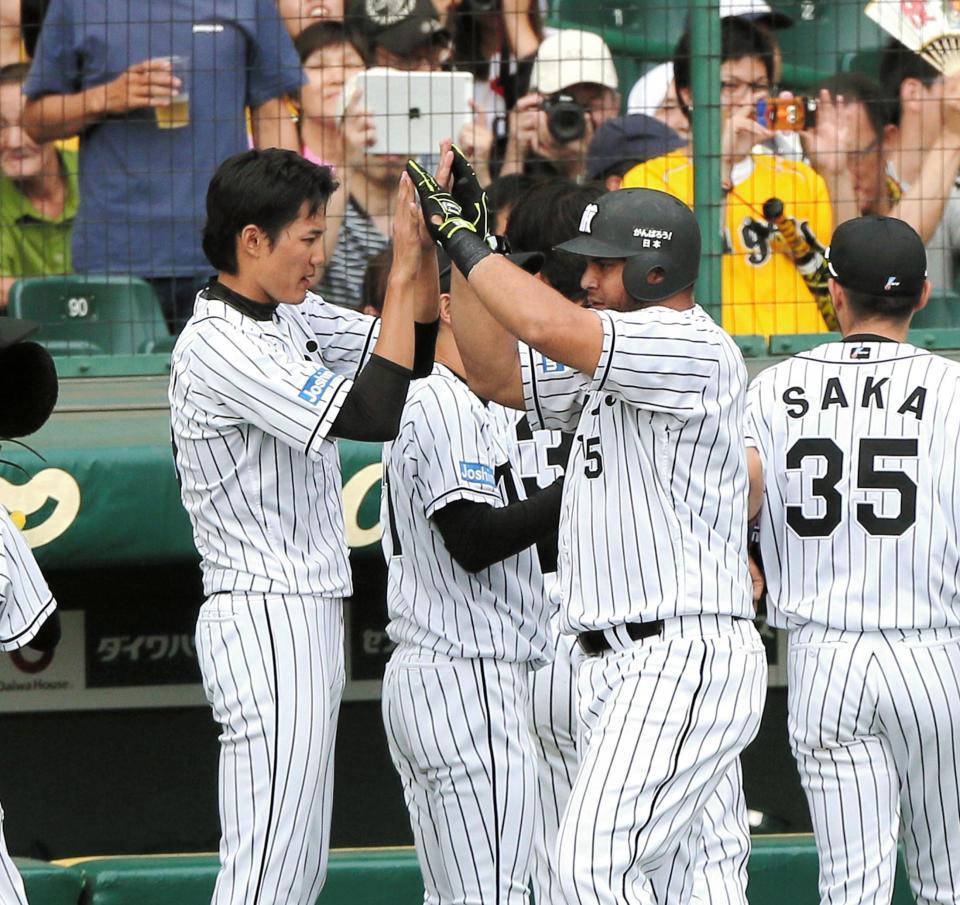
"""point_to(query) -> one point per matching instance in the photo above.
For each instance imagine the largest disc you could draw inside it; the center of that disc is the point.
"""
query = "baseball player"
(469, 612)
(264, 377)
(28, 611)
(542, 218)
(853, 459)
(652, 553)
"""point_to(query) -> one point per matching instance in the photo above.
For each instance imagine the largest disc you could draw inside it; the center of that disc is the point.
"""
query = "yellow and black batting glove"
(446, 223)
(470, 195)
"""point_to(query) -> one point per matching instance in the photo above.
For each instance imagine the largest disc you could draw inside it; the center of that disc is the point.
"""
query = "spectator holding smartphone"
(762, 290)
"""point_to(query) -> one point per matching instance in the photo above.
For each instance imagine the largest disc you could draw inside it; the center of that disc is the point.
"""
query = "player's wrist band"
(466, 249)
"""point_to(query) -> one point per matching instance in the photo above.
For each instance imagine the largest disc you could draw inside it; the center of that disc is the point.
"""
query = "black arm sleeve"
(424, 345)
(49, 635)
(374, 404)
(478, 535)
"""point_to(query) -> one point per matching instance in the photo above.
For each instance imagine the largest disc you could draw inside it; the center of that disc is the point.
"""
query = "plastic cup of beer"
(176, 114)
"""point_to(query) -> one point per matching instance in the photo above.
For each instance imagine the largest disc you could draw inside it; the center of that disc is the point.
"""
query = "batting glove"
(446, 223)
(470, 195)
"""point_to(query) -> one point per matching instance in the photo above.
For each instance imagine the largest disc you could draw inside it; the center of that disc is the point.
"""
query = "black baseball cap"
(15, 329)
(401, 26)
(879, 256)
(635, 137)
(530, 261)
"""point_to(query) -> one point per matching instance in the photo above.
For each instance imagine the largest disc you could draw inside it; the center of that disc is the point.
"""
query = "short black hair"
(504, 191)
(323, 34)
(869, 304)
(739, 38)
(263, 188)
(14, 73)
(897, 64)
(860, 87)
(547, 214)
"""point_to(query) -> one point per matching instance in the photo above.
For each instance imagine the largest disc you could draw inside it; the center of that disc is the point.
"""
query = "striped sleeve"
(756, 430)
(454, 455)
(655, 362)
(346, 337)
(257, 383)
(25, 599)
(553, 393)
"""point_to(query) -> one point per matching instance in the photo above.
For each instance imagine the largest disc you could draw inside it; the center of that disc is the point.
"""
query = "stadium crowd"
(90, 183)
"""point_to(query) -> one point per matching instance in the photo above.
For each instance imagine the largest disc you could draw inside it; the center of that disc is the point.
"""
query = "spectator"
(298, 15)
(847, 146)
(572, 65)
(142, 188)
(655, 94)
(330, 57)
(38, 194)
(762, 292)
(10, 44)
(625, 141)
(498, 46)
(402, 35)
(923, 155)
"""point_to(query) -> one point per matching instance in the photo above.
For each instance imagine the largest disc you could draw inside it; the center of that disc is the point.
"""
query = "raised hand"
(445, 220)
(469, 194)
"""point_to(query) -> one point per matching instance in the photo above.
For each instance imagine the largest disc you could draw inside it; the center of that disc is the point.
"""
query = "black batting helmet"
(656, 233)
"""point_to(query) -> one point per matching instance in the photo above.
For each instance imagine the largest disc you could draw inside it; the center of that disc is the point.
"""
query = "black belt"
(595, 642)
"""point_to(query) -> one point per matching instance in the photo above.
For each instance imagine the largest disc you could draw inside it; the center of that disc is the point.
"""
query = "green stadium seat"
(826, 37)
(791, 343)
(751, 346)
(84, 314)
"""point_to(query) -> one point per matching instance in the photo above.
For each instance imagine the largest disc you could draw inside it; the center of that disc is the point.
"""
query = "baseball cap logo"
(388, 12)
(586, 219)
(892, 282)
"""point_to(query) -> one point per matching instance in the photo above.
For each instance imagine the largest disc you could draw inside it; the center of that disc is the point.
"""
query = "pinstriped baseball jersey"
(252, 402)
(861, 520)
(451, 446)
(25, 599)
(665, 409)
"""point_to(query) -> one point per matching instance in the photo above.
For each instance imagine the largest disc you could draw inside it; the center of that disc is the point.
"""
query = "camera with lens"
(566, 119)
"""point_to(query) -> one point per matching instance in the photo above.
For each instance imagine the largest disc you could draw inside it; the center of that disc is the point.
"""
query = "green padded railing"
(782, 871)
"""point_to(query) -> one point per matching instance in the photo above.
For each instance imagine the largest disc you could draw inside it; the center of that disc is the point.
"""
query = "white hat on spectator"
(650, 89)
(568, 57)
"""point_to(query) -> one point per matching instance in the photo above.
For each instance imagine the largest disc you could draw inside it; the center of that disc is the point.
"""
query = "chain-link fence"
(777, 123)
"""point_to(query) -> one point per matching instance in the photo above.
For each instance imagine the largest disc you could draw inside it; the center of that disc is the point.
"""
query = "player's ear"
(445, 308)
(924, 296)
(252, 242)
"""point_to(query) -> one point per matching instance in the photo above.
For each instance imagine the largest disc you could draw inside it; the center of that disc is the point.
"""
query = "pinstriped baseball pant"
(273, 673)
(459, 738)
(555, 724)
(666, 719)
(874, 723)
(11, 883)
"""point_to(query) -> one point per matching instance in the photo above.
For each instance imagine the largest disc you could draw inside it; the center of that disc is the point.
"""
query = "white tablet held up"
(413, 111)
